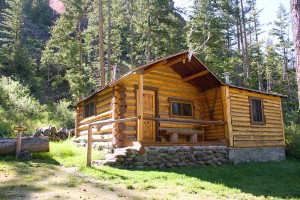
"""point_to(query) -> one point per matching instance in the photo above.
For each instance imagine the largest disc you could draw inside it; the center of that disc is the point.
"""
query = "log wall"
(170, 84)
(247, 135)
(212, 109)
(103, 102)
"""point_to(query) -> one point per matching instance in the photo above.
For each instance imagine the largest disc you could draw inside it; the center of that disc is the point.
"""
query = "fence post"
(89, 146)
(19, 139)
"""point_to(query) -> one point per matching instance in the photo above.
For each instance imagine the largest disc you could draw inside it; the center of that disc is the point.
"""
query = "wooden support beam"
(89, 147)
(202, 73)
(140, 106)
(166, 63)
(19, 140)
(227, 114)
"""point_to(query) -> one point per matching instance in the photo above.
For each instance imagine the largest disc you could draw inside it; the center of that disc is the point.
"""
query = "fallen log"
(30, 144)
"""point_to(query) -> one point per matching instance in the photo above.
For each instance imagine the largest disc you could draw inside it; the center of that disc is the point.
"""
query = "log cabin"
(177, 102)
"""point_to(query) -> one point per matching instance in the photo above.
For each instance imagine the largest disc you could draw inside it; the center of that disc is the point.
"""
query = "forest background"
(50, 57)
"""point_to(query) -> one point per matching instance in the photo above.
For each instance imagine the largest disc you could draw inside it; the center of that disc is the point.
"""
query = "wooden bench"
(173, 133)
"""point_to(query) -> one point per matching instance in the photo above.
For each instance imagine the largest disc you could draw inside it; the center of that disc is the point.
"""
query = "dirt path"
(45, 181)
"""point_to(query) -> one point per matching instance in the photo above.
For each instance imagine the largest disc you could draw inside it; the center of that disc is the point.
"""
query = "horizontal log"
(95, 138)
(253, 94)
(97, 117)
(258, 143)
(257, 138)
(30, 144)
(278, 133)
(255, 129)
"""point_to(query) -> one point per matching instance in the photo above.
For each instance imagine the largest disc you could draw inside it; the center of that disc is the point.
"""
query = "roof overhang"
(188, 66)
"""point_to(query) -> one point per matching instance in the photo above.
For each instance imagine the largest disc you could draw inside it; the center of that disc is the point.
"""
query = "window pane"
(176, 108)
(187, 109)
(92, 108)
(256, 110)
(86, 110)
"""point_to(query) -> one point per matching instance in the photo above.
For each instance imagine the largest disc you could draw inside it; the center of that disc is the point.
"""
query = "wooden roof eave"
(257, 91)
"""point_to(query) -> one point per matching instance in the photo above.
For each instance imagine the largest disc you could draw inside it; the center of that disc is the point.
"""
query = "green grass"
(270, 180)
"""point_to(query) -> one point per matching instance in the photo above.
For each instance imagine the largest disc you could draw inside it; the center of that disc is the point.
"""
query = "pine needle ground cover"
(61, 174)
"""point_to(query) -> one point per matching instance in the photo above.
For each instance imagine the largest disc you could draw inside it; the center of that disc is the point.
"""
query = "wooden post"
(89, 147)
(19, 139)
(140, 106)
(227, 114)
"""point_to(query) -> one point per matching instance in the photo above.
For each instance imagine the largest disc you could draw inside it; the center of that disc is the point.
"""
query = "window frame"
(88, 104)
(252, 122)
(181, 101)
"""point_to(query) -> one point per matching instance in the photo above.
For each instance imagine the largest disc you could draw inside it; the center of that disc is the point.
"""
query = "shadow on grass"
(273, 179)
(18, 178)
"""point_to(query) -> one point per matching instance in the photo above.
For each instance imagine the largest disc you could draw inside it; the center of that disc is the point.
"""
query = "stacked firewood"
(54, 134)
(119, 107)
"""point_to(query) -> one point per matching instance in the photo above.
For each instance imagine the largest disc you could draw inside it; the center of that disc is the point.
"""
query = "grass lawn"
(271, 180)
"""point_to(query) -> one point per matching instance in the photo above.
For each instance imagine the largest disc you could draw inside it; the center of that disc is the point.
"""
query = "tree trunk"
(148, 50)
(101, 45)
(108, 40)
(244, 34)
(295, 13)
(80, 63)
(30, 144)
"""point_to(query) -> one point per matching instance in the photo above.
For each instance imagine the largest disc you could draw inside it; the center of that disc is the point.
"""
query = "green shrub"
(16, 105)
(292, 134)
(62, 115)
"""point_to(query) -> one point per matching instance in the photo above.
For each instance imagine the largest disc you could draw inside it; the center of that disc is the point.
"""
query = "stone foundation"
(161, 157)
(258, 154)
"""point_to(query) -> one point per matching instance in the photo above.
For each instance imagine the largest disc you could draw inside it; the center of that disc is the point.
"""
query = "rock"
(138, 163)
(192, 158)
(152, 152)
(169, 165)
(175, 160)
(138, 159)
(151, 158)
(179, 150)
(163, 150)
(181, 164)
(162, 165)
(219, 163)
(171, 152)
(206, 158)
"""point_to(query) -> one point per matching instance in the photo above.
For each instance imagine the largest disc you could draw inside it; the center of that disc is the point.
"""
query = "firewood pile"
(54, 134)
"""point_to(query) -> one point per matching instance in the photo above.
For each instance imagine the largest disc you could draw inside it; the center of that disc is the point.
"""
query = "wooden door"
(148, 111)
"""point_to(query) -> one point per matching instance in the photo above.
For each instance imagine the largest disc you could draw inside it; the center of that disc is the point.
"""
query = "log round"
(120, 110)
(121, 102)
(30, 144)
(120, 95)
(120, 126)
(121, 136)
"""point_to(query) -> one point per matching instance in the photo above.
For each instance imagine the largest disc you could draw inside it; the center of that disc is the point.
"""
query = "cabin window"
(256, 111)
(89, 109)
(181, 107)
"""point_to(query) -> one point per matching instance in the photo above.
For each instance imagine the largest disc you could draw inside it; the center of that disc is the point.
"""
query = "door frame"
(155, 89)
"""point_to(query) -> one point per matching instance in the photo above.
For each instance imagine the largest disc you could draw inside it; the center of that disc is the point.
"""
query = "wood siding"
(211, 105)
(246, 135)
(170, 84)
(102, 105)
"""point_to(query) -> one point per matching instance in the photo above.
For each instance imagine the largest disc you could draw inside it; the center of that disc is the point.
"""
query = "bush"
(292, 135)
(16, 105)
(61, 114)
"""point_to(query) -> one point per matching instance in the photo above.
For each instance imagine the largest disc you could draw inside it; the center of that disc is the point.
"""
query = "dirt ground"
(44, 181)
